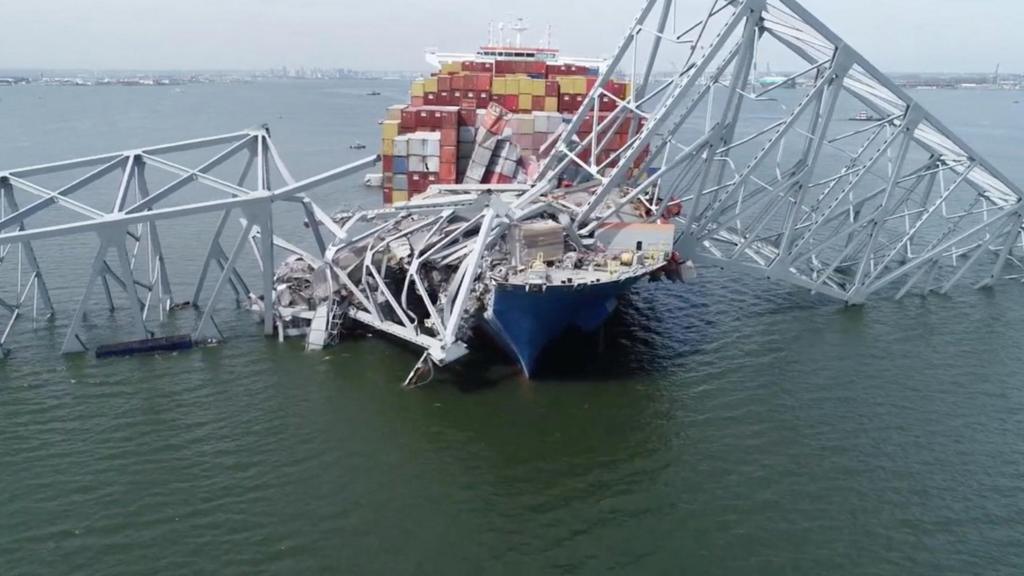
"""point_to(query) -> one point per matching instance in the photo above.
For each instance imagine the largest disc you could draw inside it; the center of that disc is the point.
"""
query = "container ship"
(489, 119)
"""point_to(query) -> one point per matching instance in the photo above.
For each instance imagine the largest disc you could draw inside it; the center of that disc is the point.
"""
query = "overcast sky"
(899, 35)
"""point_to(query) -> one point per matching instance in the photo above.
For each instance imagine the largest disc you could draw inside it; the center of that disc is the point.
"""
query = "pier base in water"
(148, 346)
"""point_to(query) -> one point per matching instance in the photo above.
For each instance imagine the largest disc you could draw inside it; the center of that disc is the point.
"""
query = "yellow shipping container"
(430, 84)
(451, 67)
(389, 129)
(512, 86)
(418, 88)
(525, 101)
(387, 147)
(581, 84)
(566, 85)
(395, 112)
(539, 87)
(550, 104)
(399, 196)
(499, 86)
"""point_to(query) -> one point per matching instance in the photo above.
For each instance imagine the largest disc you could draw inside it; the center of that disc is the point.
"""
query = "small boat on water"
(865, 116)
(357, 146)
(373, 93)
(373, 180)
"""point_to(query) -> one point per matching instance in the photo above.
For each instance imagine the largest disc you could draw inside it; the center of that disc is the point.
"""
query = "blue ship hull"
(525, 321)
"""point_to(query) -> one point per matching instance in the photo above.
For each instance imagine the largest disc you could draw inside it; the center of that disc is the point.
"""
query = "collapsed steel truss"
(805, 197)
(128, 231)
(802, 196)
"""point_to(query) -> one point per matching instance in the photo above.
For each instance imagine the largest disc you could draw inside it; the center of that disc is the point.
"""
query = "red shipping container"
(430, 98)
(444, 98)
(417, 182)
(449, 154)
(607, 104)
(482, 82)
(432, 178)
(458, 83)
(387, 196)
(449, 119)
(444, 83)
(457, 96)
(417, 101)
(483, 95)
(466, 104)
(538, 103)
(567, 104)
(487, 67)
(423, 118)
(449, 137)
(388, 164)
(510, 101)
(591, 82)
(551, 88)
(408, 120)
(447, 175)
(467, 117)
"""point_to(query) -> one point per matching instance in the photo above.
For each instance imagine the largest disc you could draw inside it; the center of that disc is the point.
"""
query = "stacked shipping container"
(485, 122)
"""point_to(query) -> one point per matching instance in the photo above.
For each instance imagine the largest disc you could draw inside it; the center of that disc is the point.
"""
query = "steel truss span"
(131, 260)
(801, 194)
(791, 189)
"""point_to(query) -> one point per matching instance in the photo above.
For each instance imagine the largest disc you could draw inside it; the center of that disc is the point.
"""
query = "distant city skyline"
(906, 36)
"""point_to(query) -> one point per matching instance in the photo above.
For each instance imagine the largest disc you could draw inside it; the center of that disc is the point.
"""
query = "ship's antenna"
(519, 27)
(501, 33)
(490, 33)
(547, 38)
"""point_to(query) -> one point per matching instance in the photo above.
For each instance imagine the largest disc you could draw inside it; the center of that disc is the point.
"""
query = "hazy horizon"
(237, 35)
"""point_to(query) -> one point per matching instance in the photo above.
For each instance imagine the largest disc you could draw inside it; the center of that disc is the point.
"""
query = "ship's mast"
(519, 27)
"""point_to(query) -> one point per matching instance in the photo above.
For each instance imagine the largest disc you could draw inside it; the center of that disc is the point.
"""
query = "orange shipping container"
(450, 137)
(447, 175)
(449, 154)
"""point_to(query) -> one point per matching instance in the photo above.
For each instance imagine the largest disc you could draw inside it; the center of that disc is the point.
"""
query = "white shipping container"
(433, 148)
(401, 182)
(417, 164)
(433, 164)
(467, 133)
(474, 173)
(417, 146)
(481, 156)
(401, 146)
(508, 168)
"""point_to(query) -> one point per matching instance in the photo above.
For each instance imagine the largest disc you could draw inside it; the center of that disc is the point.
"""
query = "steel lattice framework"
(805, 198)
(131, 255)
(800, 195)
